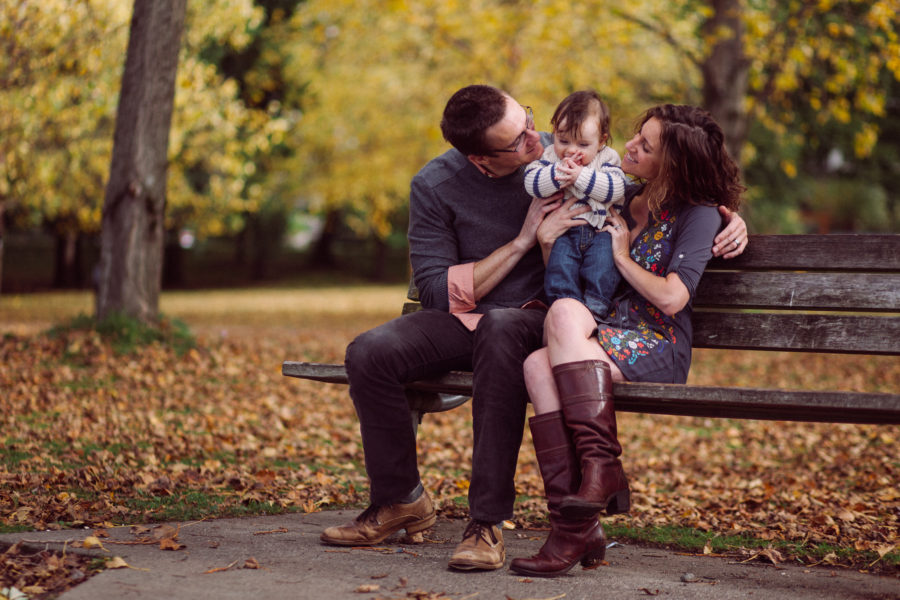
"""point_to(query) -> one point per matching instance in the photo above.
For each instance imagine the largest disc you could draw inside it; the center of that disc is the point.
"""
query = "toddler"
(580, 163)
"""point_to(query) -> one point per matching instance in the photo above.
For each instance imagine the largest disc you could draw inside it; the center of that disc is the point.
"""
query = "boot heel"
(620, 502)
(421, 525)
(593, 558)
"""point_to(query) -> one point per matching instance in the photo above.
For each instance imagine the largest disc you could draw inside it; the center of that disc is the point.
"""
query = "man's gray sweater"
(458, 215)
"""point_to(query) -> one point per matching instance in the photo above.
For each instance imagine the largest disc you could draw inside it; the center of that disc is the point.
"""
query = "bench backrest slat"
(855, 292)
(840, 252)
(797, 332)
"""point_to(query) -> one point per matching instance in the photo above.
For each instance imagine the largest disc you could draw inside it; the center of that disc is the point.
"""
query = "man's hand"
(557, 222)
(537, 212)
(490, 270)
(731, 241)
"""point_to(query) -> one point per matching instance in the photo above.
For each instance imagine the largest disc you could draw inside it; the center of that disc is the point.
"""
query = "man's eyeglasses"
(529, 126)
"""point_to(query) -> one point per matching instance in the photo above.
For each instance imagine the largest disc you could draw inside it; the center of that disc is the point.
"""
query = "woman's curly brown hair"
(695, 167)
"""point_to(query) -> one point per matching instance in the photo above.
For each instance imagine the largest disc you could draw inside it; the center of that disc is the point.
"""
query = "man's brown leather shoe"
(481, 548)
(377, 523)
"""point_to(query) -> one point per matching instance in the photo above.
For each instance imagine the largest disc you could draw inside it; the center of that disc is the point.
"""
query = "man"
(473, 238)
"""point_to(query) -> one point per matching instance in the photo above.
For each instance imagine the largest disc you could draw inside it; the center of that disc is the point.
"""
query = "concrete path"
(217, 559)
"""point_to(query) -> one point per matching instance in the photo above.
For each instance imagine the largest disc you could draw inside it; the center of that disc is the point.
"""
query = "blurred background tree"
(310, 117)
(129, 275)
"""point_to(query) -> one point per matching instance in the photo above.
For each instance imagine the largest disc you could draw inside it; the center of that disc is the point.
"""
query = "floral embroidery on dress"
(653, 248)
(649, 329)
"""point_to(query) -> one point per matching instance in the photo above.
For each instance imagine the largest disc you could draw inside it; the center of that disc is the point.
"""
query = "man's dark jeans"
(581, 266)
(428, 343)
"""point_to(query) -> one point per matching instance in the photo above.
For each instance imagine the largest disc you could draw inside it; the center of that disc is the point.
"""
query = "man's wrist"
(522, 244)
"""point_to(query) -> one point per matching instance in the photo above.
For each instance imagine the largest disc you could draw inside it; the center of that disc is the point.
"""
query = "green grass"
(127, 334)
(193, 505)
(695, 540)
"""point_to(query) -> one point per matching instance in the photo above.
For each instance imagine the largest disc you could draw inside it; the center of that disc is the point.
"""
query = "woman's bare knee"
(536, 366)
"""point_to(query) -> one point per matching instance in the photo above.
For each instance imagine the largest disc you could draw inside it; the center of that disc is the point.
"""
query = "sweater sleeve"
(693, 245)
(540, 175)
(432, 244)
(602, 183)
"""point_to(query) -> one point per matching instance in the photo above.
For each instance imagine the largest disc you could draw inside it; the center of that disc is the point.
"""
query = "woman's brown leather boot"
(585, 392)
(570, 540)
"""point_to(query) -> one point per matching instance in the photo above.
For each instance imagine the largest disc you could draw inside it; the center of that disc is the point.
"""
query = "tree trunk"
(322, 255)
(2, 233)
(67, 260)
(379, 266)
(173, 264)
(725, 73)
(134, 205)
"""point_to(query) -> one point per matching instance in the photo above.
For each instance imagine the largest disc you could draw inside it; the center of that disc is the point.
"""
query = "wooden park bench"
(801, 293)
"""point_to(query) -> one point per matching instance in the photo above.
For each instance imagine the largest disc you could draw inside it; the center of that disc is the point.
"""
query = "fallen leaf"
(117, 562)
(170, 544)
(846, 516)
(771, 554)
(367, 587)
(162, 532)
(220, 569)
(33, 590)
(91, 542)
(251, 563)
(279, 530)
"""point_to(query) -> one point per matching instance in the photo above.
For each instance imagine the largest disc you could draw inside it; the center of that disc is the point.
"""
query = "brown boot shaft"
(585, 391)
(556, 458)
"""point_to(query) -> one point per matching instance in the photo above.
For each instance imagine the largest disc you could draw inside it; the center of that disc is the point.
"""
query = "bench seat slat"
(697, 401)
(797, 332)
(758, 403)
(857, 292)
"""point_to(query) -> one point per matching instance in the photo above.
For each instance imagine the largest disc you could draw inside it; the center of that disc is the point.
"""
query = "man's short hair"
(469, 113)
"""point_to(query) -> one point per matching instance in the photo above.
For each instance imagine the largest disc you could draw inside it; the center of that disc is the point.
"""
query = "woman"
(661, 244)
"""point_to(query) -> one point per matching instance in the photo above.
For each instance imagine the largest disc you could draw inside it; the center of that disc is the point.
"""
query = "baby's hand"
(567, 172)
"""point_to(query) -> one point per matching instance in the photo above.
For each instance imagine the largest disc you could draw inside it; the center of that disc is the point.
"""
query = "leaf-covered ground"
(92, 438)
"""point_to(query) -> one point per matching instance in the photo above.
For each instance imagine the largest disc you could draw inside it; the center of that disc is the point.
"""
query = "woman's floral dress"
(645, 343)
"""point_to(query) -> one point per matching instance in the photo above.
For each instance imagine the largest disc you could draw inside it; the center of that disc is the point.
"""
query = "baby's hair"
(576, 108)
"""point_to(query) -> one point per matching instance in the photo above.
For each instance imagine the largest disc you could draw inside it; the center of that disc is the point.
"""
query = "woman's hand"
(621, 236)
(557, 222)
(731, 241)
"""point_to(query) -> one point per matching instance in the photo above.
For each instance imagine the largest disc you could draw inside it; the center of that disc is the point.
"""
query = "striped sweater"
(600, 184)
